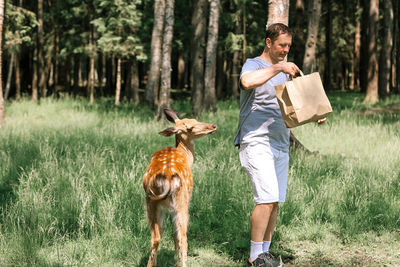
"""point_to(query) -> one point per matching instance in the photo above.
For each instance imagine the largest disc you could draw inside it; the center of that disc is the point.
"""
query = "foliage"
(19, 26)
(118, 23)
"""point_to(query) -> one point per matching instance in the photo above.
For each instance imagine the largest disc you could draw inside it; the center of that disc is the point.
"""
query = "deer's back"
(168, 164)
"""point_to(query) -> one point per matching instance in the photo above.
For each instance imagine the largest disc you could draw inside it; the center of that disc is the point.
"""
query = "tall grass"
(71, 192)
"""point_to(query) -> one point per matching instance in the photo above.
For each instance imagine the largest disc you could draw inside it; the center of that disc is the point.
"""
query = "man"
(263, 138)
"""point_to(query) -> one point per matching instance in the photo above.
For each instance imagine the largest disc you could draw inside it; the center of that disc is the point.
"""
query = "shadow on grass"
(23, 156)
(165, 258)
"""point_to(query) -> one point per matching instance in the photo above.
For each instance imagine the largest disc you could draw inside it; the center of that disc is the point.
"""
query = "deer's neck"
(187, 146)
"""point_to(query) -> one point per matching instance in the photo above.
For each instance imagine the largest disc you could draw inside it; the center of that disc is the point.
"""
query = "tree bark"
(314, 13)
(372, 87)
(9, 76)
(56, 61)
(133, 82)
(357, 52)
(17, 78)
(77, 63)
(153, 80)
(210, 98)
(235, 73)
(2, 112)
(385, 55)
(199, 22)
(220, 73)
(278, 12)
(118, 82)
(364, 46)
(181, 71)
(35, 93)
(40, 47)
(165, 90)
(396, 36)
(91, 79)
(396, 53)
(328, 48)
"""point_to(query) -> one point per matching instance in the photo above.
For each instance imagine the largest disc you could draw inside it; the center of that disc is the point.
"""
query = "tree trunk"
(118, 82)
(133, 82)
(278, 12)
(40, 47)
(153, 81)
(91, 79)
(2, 113)
(181, 71)
(9, 76)
(103, 78)
(210, 98)
(396, 52)
(364, 46)
(35, 93)
(385, 55)
(357, 51)
(165, 90)
(234, 74)
(235, 66)
(220, 72)
(67, 84)
(77, 63)
(57, 52)
(314, 13)
(17, 79)
(372, 87)
(395, 63)
(199, 23)
(328, 48)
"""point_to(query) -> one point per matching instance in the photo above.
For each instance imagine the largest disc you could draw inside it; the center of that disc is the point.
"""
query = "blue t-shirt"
(260, 119)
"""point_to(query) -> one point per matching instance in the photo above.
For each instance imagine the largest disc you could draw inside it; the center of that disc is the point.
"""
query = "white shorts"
(268, 171)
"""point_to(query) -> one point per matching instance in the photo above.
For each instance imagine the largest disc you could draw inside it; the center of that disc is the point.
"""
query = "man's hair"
(276, 29)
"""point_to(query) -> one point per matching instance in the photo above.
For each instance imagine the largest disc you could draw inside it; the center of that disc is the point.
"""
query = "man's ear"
(169, 131)
(268, 42)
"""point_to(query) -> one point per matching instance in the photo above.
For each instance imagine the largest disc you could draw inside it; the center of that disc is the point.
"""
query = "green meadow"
(71, 187)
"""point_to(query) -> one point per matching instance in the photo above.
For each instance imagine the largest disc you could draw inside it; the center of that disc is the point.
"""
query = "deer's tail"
(161, 187)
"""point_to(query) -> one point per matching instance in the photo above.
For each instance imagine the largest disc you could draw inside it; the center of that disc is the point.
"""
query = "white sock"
(255, 250)
(265, 246)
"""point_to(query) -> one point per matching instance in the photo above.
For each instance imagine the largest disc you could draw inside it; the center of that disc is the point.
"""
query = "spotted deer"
(168, 183)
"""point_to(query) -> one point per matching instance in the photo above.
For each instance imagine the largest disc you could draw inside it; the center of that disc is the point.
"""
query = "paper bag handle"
(301, 73)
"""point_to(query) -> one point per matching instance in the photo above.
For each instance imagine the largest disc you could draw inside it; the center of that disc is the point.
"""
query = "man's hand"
(289, 68)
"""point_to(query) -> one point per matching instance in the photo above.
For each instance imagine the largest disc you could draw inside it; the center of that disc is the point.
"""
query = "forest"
(153, 52)
(83, 86)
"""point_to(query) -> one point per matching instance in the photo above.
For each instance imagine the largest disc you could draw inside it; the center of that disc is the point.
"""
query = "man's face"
(279, 48)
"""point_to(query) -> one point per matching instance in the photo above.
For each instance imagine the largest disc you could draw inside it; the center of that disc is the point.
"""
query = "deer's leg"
(181, 220)
(156, 217)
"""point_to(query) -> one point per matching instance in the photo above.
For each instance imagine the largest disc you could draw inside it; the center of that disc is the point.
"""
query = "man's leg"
(263, 221)
(271, 223)
(260, 219)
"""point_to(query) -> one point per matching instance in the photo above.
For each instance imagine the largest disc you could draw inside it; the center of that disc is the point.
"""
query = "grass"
(71, 192)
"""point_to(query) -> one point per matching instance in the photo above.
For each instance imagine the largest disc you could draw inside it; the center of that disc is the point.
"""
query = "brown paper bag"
(303, 100)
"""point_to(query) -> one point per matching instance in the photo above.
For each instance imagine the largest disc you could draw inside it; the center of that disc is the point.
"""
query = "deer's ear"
(169, 131)
(171, 115)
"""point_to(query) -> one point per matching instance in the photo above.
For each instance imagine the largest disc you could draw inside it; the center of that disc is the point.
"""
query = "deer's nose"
(214, 126)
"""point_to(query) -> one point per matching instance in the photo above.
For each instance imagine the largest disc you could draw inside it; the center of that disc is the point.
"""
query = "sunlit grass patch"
(71, 187)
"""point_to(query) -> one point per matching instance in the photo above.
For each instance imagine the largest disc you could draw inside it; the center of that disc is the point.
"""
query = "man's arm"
(256, 78)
